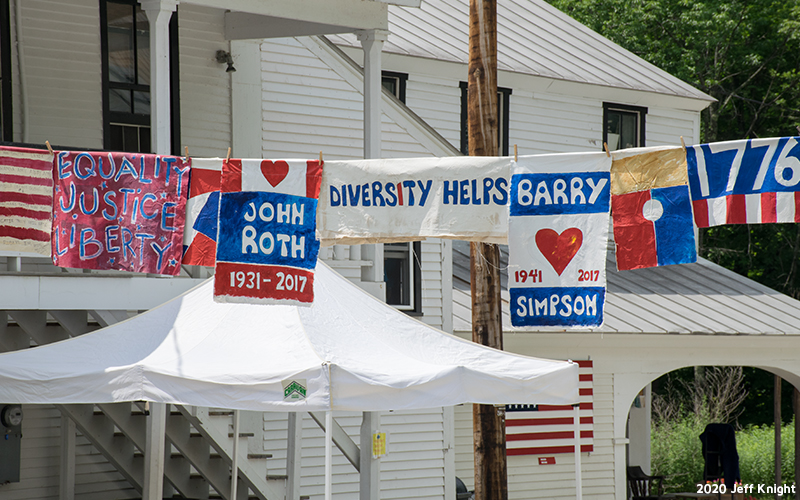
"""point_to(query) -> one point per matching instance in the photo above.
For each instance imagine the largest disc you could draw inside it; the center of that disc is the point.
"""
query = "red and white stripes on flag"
(549, 429)
(26, 200)
(756, 208)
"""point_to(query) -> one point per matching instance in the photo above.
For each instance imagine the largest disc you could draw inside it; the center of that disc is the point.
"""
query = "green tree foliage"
(745, 54)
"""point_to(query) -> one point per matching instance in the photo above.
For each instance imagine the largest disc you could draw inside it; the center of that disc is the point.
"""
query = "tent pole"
(235, 458)
(328, 454)
(576, 419)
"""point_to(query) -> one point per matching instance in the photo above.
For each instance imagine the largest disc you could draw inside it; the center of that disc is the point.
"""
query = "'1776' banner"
(119, 211)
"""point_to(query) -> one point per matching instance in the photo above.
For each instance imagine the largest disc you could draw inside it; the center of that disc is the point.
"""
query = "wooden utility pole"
(778, 421)
(488, 422)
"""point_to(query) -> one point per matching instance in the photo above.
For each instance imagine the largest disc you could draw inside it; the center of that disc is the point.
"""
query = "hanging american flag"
(26, 200)
(550, 429)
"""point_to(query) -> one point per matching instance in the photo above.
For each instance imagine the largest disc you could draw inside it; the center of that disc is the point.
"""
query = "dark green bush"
(676, 453)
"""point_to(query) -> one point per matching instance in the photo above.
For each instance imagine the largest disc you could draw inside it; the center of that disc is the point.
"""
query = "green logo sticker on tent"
(294, 390)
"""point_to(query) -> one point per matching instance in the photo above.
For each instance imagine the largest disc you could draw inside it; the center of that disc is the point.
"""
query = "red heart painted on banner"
(274, 172)
(559, 249)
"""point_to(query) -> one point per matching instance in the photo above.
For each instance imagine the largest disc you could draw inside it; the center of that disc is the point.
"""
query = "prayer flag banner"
(266, 250)
(295, 177)
(202, 211)
(558, 234)
(651, 208)
(383, 201)
(26, 200)
(121, 211)
(745, 182)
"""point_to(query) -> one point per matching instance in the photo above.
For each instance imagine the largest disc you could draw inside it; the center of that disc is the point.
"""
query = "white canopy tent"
(348, 351)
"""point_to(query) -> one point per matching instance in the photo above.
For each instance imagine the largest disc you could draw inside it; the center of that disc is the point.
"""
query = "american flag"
(26, 200)
(550, 429)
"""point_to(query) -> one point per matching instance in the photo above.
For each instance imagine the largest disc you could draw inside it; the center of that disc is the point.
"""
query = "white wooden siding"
(437, 101)
(61, 49)
(95, 478)
(413, 468)
(205, 86)
(529, 480)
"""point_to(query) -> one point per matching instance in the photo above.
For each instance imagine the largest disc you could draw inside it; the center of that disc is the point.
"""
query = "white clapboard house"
(350, 79)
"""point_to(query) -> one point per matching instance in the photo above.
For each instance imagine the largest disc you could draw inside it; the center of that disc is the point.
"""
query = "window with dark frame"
(403, 276)
(623, 126)
(503, 100)
(395, 83)
(125, 37)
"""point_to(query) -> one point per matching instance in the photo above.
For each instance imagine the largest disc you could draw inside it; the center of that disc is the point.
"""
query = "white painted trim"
(246, 99)
(356, 14)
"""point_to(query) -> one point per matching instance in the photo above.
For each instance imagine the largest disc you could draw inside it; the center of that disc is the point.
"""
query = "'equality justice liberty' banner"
(119, 211)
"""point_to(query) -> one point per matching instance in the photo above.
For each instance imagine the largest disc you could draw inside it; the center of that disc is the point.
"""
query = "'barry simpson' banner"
(558, 231)
(372, 201)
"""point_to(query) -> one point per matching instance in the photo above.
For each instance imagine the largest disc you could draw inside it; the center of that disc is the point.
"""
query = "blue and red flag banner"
(266, 248)
(26, 200)
(558, 234)
(651, 208)
(550, 429)
(121, 211)
(745, 182)
(295, 177)
(202, 211)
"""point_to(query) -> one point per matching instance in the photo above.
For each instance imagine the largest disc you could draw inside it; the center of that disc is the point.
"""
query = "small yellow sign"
(379, 444)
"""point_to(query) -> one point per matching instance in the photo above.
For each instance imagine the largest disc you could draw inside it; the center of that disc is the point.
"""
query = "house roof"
(533, 38)
(700, 298)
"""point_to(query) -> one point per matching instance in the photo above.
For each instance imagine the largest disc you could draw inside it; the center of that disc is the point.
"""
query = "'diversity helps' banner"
(368, 201)
(558, 232)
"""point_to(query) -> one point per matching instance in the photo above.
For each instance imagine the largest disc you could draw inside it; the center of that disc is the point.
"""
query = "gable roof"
(700, 298)
(533, 38)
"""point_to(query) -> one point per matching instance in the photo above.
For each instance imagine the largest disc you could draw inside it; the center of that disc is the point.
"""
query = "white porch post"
(372, 43)
(159, 13)
(370, 468)
(294, 456)
(66, 481)
(154, 452)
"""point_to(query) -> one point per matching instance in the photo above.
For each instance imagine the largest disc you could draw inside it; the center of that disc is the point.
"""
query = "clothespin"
(516, 158)
(683, 143)
(320, 158)
(228, 158)
(49, 147)
(605, 146)
(186, 152)
(798, 129)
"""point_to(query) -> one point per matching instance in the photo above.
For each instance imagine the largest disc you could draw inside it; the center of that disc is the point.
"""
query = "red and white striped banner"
(756, 208)
(26, 200)
(549, 429)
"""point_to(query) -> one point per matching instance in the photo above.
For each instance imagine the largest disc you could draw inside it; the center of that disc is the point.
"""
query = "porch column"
(154, 452)
(372, 43)
(159, 13)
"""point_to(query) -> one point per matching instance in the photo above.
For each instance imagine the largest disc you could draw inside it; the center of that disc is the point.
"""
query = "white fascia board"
(71, 292)
(403, 3)
(353, 14)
